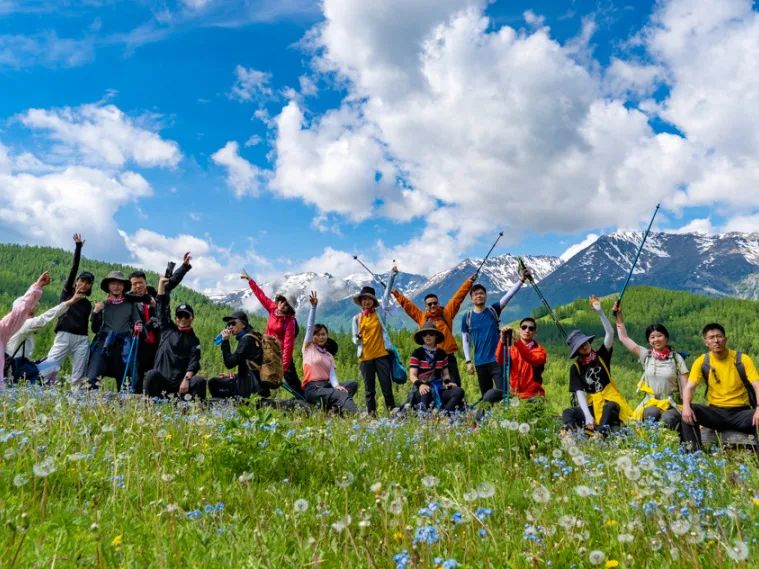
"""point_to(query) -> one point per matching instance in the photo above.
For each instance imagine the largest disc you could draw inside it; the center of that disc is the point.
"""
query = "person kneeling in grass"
(247, 357)
(664, 373)
(320, 384)
(177, 360)
(601, 405)
(428, 372)
(732, 384)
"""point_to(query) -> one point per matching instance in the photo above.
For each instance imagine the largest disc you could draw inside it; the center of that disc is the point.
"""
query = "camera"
(170, 269)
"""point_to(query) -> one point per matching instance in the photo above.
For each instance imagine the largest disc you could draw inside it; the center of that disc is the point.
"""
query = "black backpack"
(706, 369)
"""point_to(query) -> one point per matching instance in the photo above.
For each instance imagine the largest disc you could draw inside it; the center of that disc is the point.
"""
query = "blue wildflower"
(483, 513)
(426, 534)
(194, 514)
(402, 559)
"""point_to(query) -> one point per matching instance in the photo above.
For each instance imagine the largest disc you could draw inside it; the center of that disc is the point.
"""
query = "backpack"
(706, 369)
(492, 311)
(270, 370)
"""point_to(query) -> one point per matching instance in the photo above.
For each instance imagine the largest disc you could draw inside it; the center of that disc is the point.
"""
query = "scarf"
(185, 330)
(367, 312)
(114, 299)
(662, 355)
(585, 360)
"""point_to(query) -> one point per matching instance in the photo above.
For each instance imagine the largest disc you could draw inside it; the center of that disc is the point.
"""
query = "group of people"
(135, 337)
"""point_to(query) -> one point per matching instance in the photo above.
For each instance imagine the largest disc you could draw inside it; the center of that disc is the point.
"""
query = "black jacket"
(152, 321)
(247, 350)
(178, 351)
(76, 319)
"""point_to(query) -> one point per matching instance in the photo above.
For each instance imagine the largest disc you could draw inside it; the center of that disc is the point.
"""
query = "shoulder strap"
(469, 321)
(706, 369)
(744, 378)
(494, 313)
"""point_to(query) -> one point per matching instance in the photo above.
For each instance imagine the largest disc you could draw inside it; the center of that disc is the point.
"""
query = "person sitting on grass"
(12, 322)
(732, 390)
(601, 405)
(664, 373)
(177, 360)
(113, 322)
(248, 351)
(528, 360)
(320, 383)
(429, 374)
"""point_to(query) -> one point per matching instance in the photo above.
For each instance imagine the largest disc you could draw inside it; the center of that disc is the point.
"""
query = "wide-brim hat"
(575, 339)
(115, 276)
(428, 326)
(236, 315)
(368, 292)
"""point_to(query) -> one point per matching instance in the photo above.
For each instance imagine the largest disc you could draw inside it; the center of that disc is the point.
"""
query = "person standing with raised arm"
(442, 317)
(480, 325)
(320, 383)
(601, 405)
(73, 325)
(282, 325)
(664, 373)
(12, 322)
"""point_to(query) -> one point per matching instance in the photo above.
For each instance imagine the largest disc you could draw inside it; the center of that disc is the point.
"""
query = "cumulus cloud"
(103, 134)
(251, 84)
(243, 177)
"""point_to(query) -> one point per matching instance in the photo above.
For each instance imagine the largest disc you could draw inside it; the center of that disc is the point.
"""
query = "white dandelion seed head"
(346, 479)
(20, 480)
(624, 462)
(300, 505)
(513, 425)
(655, 544)
(737, 550)
(470, 495)
(541, 494)
(396, 506)
(430, 481)
(376, 487)
(567, 522)
(245, 477)
(596, 557)
(363, 524)
(680, 527)
(168, 477)
(633, 473)
(647, 463)
(524, 428)
(108, 428)
(674, 553)
(486, 490)
(44, 468)
(625, 538)
(557, 453)
(583, 491)
(695, 536)
(573, 450)
(579, 459)
(342, 523)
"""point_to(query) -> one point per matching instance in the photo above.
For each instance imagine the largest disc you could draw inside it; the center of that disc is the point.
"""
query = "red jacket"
(526, 368)
(278, 325)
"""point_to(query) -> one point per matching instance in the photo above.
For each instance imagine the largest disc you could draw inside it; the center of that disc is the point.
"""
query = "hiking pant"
(453, 369)
(78, 346)
(450, 399)
(669, 418)
(108, 360)
(719, 419)
(574, 417)
(157, 385)
(330, 398)
(224, 387)
(496, 395)
(291, 377)
(381, 368)
(145, 362)
(489, 376)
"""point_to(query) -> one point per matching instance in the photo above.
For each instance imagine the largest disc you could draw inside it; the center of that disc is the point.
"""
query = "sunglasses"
(432, 303)
(232, 323)
(429, 334)
(528, 327)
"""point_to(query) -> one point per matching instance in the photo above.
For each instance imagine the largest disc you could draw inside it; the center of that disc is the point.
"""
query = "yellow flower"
(117, 541)
(755, 501)
(168, 436)
(612, 563)
(398, 535)
(611, 522)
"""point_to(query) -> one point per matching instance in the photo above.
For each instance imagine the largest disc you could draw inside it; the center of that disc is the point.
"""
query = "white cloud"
(46, 49)
(701, 225)
(743, 224)
(572, 250)
(634, 78)
(251, 84)
(103, 134)
(243, 177)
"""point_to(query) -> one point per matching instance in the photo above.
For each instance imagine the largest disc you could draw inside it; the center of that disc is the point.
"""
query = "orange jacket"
(443, 319)
(525, 362)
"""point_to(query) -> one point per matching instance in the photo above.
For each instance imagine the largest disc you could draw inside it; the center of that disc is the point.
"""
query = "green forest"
(683, 313)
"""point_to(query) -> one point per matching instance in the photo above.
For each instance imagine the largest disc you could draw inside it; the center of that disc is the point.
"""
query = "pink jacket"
(12, 322)
(280, 326)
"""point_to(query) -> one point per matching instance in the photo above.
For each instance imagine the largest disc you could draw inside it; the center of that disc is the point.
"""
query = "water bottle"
(218, 339)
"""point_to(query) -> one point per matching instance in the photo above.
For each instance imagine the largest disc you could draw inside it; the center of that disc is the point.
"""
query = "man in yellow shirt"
(731, 405)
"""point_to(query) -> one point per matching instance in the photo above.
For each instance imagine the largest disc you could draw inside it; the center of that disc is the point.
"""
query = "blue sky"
(290, 135)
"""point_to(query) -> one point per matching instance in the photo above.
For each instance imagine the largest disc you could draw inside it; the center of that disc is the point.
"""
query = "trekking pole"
(376, 276)
(507, 370)
(127, 364)
(637, 254)
(488, 253)
(135, 364)
(543, 300)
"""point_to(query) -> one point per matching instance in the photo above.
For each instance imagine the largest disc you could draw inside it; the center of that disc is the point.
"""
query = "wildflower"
(402, 559)
(446, 563)
(483, 513)
(486, 490)
(579, 459)
(398, 535)
(737, 551)
(624, 462)
(541, 495)
(376, 487)
(363, 524)
(611, 563)
(524, 428)
(655, 544)
(20, 480)
(583, 491)
(194, 514)
(457, 518)
(300, 505)
(625, 538)
(108, 428)
(342, 523)
(396, 506)
(44, 468)
(483, 533)
(755, 500)
(633, 473)
(346, 479)
(117, 541)
(596, 557)
(611, 522)
(430, 481)
(470, 496)
(568, 522)
(679, 527)
(427, 534)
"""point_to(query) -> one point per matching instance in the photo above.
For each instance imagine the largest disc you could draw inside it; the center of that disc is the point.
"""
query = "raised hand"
(98, 307)
(76, 298)
(187, 258)
(78, 239)
(595, 302)
(43, 280)
(616, 310)
(394, 268)
(525, 274)
(244, 275)
(313, 299)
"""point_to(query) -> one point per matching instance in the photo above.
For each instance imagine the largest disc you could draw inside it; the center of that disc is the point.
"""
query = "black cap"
(86, 276)
(184, 309)
(236, 315)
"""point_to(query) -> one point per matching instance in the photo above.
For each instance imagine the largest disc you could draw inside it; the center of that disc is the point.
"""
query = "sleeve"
(535, 357)
(333, 376)
(265, 301)
(411, 309)
(499, 351)
(385, 302)
(441, 359)
(582, 399)
(39, 322)
(509, 295)
(413, 361)
(289, 343)
(465, 345)
(310, 326)
(194, 364)
(96, 320)
(355, 329)
(68, 286)
(695, 370)
(163, 304)
(12, 322)
(453, 305)
(628, 342)
(136, 316)
(176, 278)
(246, 350)
(608, 328)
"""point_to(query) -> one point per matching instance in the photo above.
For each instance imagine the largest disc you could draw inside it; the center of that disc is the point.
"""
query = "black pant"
(453, 369)
(574, 417)
(223, 387)
(450, 399)
(291, 377)
(669, 418)
(381, 368)
(489, 376)
(330, 398)
(108, 355)
(719, 419)
(145, 363)
(157, 385)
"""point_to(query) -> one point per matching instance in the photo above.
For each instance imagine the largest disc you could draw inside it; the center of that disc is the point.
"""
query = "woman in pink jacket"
(22, 309)
(283, 326)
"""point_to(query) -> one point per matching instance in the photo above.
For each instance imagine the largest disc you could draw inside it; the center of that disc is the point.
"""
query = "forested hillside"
(683, 313)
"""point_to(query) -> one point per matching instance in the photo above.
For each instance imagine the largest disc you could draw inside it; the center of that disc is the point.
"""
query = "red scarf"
(114, 299)
(585, 360)
(185, 330)
(663, 355)
(367, 312)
